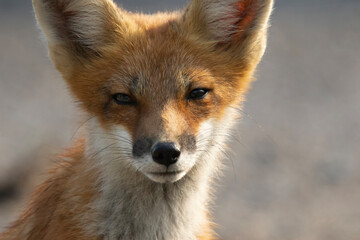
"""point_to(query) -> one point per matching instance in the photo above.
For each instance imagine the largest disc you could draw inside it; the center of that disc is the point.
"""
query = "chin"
(165, 177)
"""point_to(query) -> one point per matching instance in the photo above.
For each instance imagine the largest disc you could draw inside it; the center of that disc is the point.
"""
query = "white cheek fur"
(108, 148)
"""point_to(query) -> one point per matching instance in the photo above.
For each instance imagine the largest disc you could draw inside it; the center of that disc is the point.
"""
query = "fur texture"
(108, 186)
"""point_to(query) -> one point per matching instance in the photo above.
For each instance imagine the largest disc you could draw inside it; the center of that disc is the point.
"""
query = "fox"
(162, 92)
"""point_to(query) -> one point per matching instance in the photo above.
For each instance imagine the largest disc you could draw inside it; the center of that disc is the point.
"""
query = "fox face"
(162, 90)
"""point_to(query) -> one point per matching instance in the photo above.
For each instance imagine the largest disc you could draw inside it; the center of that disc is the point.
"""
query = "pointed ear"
(77, 29)
(236, 26)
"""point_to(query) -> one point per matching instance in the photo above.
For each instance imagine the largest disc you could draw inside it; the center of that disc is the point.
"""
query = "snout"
(164, 161)
(165, 153)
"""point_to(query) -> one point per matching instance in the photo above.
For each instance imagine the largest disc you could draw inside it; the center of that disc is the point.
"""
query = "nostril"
(175, 154)
(165, 153)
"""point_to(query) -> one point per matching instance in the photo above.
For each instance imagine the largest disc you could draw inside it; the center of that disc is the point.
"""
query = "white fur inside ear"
(221, 15)
(84, 21)
(89, 22)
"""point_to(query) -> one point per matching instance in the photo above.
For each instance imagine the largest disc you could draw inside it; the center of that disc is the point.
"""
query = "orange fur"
(49, 214)
(158, 60)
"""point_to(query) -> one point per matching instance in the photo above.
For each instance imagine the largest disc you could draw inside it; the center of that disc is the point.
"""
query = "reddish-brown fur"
(157, 60)
(51, 209)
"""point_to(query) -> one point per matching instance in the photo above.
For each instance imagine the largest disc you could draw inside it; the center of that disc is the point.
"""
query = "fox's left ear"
(236, 27)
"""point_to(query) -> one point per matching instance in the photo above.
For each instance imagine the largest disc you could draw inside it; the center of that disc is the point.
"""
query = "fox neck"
(152, 210)
(133, 207)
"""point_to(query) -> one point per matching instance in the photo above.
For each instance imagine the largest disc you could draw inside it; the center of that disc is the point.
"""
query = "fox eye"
(198, 93)
(123, 99)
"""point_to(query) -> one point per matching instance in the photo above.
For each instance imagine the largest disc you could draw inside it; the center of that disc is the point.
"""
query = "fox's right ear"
(77, 29)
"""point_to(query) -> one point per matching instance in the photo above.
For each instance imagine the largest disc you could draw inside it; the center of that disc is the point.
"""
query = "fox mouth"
(165, 177)
(166, 173)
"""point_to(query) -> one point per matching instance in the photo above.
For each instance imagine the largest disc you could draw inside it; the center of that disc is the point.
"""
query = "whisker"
(114, 135)
(78, 128)
(101, 150)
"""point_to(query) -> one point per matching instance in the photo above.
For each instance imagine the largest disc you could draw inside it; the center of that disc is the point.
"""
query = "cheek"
(122, 136)
(203, 109)
(205, 134)
(215, 131)
(105, 144)
(118, 119)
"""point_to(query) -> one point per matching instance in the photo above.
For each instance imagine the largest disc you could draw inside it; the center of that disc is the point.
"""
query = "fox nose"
(165, 153)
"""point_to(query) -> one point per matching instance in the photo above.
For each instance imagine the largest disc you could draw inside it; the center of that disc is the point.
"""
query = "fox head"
(161, 88)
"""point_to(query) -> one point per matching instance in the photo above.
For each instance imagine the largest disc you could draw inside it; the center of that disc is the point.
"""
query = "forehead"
(158, 59)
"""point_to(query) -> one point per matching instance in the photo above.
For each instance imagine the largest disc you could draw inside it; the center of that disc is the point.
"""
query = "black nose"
(165, 153)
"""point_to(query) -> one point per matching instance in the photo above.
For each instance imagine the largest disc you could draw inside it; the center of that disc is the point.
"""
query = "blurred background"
(294, 173)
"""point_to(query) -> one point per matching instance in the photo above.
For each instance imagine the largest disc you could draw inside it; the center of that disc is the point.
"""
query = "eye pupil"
(123, 99)
(198, 93)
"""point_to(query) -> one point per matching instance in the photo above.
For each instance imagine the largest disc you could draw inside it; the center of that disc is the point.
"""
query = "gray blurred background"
(295, 168)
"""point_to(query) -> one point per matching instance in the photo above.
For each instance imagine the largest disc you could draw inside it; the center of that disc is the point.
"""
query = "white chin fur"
(165, 177)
